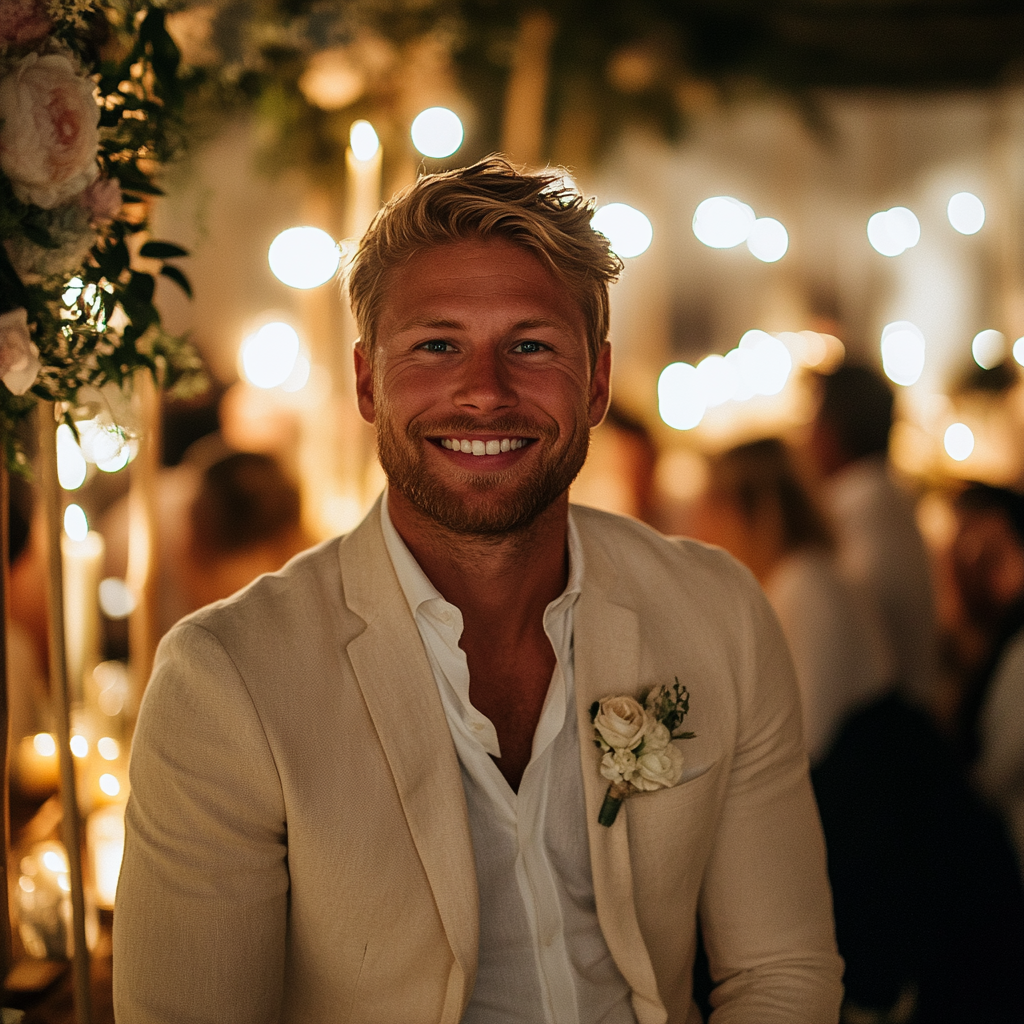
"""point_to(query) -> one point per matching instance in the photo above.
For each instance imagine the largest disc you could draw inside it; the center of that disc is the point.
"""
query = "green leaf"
(178, 278)
(162, 250)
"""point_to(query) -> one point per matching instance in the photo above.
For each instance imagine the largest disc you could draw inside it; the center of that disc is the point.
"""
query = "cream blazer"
(298, 847)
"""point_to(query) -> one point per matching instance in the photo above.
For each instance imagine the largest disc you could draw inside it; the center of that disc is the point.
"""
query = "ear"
(601, 384)
(364, 382)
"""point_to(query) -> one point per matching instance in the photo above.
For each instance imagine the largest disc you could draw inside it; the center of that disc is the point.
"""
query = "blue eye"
(435, 346)
(529, 347)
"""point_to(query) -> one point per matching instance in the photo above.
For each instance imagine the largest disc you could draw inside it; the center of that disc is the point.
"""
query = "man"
(880, 545)
(366, 787)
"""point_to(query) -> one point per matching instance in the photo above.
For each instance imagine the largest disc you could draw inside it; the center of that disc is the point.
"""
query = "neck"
(502, 583)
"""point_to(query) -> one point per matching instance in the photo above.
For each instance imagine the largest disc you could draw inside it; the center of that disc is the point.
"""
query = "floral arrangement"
(90, 103)
(635, 740)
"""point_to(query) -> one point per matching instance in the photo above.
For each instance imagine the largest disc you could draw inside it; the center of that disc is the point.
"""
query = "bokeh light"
(628, 231)
(45, 744)
(768, 240)
(437, 132)
(894, 231)
(966, 212)
(681, 403)
(108, 748)
(764, 361)
(958, 441)
(79, 746)
(71, 467)
(1018, 351)
(116, 599)
(268, 356)
(362, 138)
(76, 525)
(722, 222)
(299, 377)
(109, 784)
(304, 257)
(718, 379)
(988, 349)
(903, 352)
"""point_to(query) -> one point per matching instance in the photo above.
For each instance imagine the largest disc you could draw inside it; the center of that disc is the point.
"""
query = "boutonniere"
(636, 741)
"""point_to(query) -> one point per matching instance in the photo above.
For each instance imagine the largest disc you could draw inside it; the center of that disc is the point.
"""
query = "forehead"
(474, 281)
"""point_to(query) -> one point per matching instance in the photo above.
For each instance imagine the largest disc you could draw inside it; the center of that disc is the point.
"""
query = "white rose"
(658, 769)
(619, 766)
(658, 737)
(49, 133)
(19, 358)
(621, 722)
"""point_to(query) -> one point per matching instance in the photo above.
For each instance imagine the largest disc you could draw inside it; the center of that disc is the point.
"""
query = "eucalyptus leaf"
(162, 250)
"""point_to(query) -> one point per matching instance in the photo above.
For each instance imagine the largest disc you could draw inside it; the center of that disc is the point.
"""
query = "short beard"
(510, 513)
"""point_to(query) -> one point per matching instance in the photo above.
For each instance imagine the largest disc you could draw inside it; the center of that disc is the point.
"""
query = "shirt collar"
(419, 590)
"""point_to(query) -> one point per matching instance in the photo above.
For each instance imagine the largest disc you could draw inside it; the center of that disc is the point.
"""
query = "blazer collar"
(607, 662)
(398, 686)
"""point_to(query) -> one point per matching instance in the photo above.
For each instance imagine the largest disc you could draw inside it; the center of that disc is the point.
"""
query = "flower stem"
(612, 802)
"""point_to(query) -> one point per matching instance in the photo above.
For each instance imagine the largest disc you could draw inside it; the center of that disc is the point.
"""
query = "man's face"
(480, 386)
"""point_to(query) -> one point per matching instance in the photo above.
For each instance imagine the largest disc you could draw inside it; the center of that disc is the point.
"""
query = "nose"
(484, 383)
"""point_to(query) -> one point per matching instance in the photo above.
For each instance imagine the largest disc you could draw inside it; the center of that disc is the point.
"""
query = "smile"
(493, 447)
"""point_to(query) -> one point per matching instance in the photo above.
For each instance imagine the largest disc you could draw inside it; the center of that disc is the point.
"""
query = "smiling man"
(366, 788)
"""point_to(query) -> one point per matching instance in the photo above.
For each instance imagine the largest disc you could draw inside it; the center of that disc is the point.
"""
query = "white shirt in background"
(542, 954)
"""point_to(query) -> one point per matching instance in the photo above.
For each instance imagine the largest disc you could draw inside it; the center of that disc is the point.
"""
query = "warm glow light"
(680, 401)
(437, 132)
(299, 377)
(71, 467)
(116, 599)
(894, 231)
(718, 379)
(628, 231)
(1018, 351)
(104, 831)
(304, 257)
(766, 362)
(903, 352)
(768, 240)
(363, 139)
(722, 222)
(958, 441)
(988, 349)
(76, 525)
(79, 746)
(45, 744)
(966, 213)
(269, 355)
(108, 748)
(55, 861)
(109, 784)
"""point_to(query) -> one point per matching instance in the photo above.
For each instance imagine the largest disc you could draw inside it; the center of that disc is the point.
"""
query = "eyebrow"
(456, 325)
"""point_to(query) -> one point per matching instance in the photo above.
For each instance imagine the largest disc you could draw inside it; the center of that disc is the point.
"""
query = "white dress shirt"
(542, 954)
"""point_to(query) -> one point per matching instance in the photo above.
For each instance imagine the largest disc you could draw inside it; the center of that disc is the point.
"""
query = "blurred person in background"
(245, 519)
(758, 509)
(987, 557)
(880, 547)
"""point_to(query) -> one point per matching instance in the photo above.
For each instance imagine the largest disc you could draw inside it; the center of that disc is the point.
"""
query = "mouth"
(478, 447)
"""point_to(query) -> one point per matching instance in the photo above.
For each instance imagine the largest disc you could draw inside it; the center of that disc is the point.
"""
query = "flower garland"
(90, 102)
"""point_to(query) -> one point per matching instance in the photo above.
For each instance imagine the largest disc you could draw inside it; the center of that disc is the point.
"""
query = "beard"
(498, 502)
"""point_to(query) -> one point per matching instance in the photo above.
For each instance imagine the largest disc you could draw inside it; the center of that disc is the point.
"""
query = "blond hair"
(489, 200)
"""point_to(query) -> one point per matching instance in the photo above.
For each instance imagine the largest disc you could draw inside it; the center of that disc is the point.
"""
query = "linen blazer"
(298, 846)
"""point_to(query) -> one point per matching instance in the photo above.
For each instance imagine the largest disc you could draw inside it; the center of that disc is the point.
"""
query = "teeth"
(506, 444)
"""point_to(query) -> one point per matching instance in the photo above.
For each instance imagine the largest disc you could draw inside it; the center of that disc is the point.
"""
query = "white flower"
(621, 722)
(49, 133)
(659, 769)
(619, 766)
(658, 737)
(19, 358)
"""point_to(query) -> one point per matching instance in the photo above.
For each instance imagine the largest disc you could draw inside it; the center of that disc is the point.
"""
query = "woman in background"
(757, 508)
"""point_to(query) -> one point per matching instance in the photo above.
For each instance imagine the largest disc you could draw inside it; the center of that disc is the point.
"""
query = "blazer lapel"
(607, 662)
(398, 686)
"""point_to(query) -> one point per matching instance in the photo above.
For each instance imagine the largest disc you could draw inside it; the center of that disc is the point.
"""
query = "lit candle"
(363, 164)
(104, 831)
(83, 569)
(36, 770)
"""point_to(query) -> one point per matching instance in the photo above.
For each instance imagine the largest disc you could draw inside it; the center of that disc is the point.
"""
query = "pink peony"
(23, 21)
(19, 358)
(50, 134)
(103, 200)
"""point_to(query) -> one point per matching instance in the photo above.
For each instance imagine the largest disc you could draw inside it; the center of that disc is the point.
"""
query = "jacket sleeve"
(199, 927)
(766, 904)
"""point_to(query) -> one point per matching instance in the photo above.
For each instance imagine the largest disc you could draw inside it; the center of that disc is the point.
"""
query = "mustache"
(512, 426)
